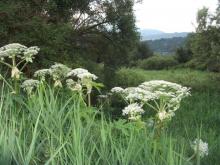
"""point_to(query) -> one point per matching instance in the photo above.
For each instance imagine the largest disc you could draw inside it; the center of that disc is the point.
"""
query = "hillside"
(153, 34)
(166, 46)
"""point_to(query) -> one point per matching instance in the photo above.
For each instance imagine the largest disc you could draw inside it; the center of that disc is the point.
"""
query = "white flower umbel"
(42, 73)
(167, 93)
(85, 78)
(133, 111)
(12, 50)
(29, 85)
(18, 54)
(82, 74)
(77, 71)
(29, 53)
(117, 90)
(200, 147)
(138, 94)
(58, 72)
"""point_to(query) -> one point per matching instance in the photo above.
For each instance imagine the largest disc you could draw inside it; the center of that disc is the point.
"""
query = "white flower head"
(172, 93)
(138, 94)
(12, 50)
(29, 85)
(30, 53)
(82, 74)
(42, 73)
(58, 71)
(200, 147)
(117, 90)
(77, 71)
(133, 111)
(88, 75)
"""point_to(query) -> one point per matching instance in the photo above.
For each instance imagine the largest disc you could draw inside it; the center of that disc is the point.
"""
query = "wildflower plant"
(85, 79)
(200, 148)
(18, 56)
(58, 72)
(29, 85)
(161, 96)
(42, 73)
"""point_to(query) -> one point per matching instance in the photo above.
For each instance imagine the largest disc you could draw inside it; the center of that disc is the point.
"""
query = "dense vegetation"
(63, 115)
(166, 45)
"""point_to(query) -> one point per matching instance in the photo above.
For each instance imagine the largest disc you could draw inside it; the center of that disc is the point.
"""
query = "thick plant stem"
(89, 99)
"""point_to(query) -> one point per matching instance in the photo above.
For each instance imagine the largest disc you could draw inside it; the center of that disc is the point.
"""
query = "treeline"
(166, 45)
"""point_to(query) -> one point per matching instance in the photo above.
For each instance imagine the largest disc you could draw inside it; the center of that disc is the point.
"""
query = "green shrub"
(158, 62)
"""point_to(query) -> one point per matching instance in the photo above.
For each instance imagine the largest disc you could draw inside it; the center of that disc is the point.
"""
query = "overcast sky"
(170, 15)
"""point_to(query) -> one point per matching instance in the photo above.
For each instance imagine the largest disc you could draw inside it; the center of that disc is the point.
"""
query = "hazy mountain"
(153, 34)
(148, 32)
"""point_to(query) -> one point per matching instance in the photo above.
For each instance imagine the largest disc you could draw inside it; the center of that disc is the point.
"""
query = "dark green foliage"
(183, 55)
(143, 51)
(158, 62)
(205, 43)
(166, 46)
(77, 33)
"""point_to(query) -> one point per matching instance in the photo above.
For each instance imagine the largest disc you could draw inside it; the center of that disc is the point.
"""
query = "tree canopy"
(72, 31)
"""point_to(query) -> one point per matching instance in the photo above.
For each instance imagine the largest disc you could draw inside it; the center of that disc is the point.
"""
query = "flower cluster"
(29, 53)
(58, 72)
(20, 51)
(18, 54)
(117, 90)
(133, 111)
(166, 96)
(200, 147)
(85, 78)
(12, 50)
(171, 93)
(29, 85)
(42, 73)
(73, 85)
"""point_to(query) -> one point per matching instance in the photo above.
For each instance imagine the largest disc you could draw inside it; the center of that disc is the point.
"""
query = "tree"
(183, 54)
(143, 51)
(72, 31)
(205, 43)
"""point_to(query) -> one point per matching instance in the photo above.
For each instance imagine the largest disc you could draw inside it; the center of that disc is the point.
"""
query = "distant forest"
(166, 45)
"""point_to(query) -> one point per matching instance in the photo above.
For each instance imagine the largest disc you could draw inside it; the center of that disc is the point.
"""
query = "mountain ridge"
(154, 34)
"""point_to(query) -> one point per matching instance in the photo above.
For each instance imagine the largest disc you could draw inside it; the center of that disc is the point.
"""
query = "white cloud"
(170, 15)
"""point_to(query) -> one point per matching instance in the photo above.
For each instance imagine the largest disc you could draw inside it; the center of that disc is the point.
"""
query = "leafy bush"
(158, 62)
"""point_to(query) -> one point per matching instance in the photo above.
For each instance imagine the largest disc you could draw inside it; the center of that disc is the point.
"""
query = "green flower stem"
(20, 62)
(192, 157)
(89, 99)
(24, 66)
(6, 82)
(5, 64)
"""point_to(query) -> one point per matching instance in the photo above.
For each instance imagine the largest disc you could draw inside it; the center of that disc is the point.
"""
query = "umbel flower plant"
(18, 56)
(161, 96)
